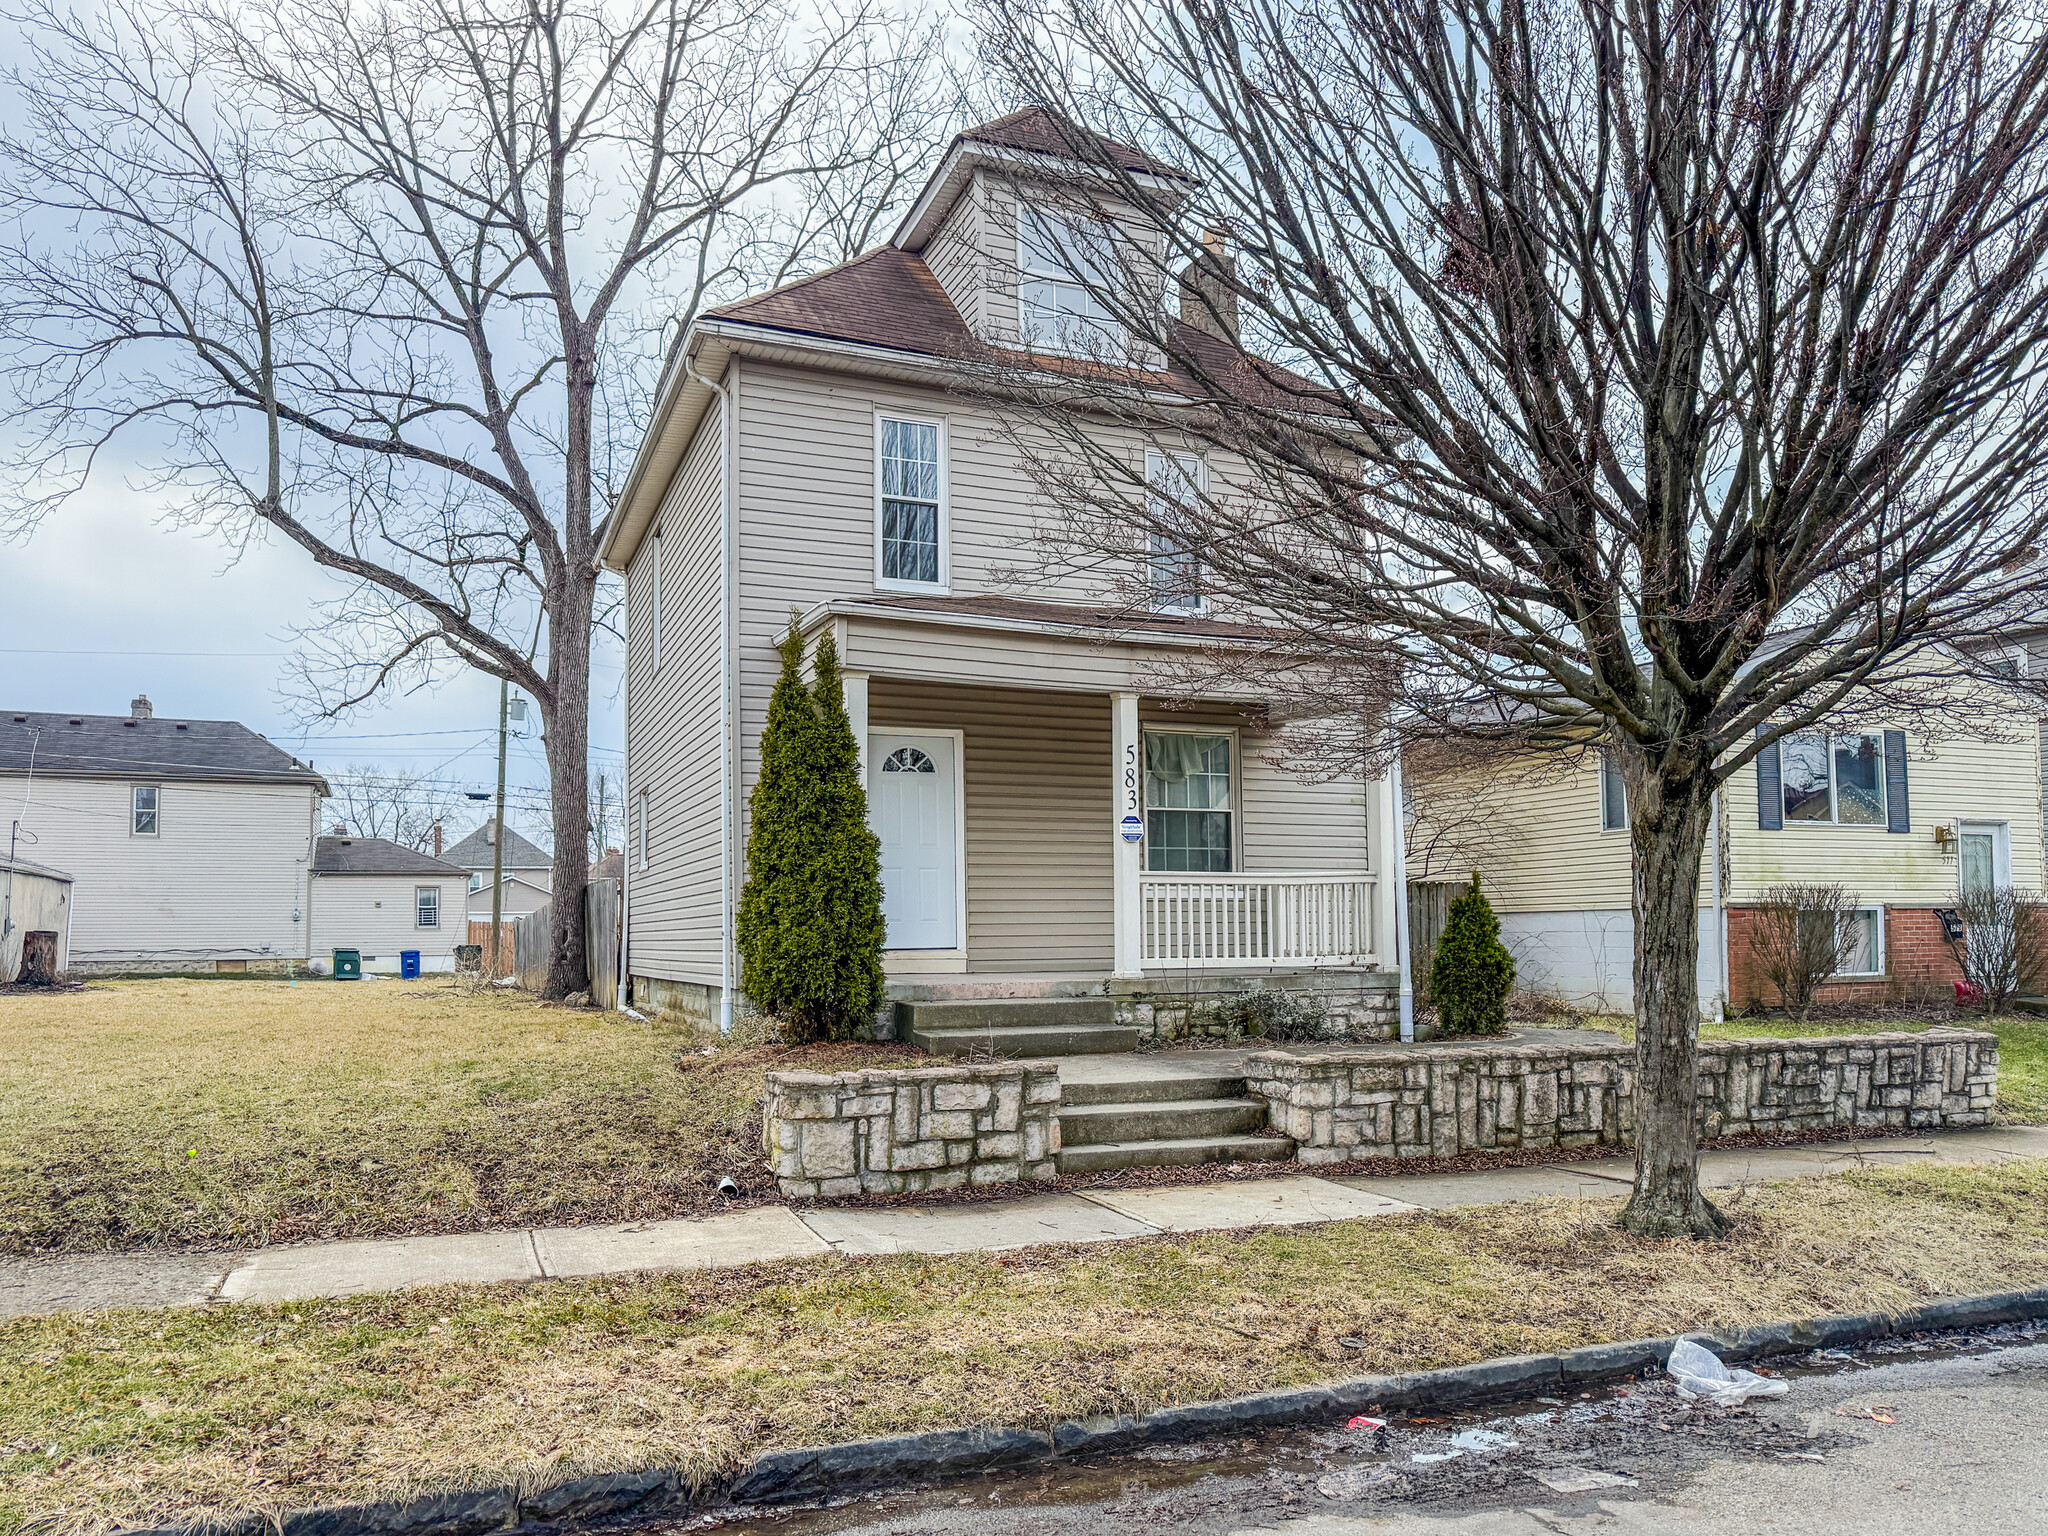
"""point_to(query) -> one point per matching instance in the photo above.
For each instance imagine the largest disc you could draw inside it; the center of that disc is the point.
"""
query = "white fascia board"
(814, 617)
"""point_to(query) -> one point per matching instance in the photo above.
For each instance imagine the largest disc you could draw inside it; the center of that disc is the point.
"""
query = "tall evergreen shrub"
(1473, 972)
(810, 919)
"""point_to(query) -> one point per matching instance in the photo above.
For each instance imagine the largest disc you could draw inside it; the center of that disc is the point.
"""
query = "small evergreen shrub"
(1473, 972)
(810, 918)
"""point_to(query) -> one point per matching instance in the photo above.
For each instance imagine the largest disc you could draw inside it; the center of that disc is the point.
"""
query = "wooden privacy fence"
(1429, 908)
(530, 948)
(480, 936)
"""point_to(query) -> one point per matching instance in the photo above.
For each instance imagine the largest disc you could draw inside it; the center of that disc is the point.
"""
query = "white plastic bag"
(1700, 1374)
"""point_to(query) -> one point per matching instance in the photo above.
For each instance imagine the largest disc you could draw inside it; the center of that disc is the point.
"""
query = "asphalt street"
(1913, 1439)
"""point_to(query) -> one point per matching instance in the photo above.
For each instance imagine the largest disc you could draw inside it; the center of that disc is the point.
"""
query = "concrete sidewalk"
(84, 1283)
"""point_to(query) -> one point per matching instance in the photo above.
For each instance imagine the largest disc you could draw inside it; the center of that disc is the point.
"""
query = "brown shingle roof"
(889, 298)
(1041, 131)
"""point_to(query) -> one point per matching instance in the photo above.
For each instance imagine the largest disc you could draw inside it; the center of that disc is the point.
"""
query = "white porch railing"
(1257, 920)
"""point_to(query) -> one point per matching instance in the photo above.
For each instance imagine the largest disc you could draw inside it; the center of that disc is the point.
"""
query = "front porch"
(1054, 825)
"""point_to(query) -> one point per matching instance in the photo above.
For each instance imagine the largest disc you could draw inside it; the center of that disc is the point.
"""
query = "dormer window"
(1064, 264)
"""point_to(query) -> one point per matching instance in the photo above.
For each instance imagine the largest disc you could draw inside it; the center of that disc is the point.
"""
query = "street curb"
(781, 1477)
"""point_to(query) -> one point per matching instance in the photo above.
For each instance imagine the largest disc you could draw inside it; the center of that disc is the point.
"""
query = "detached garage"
(382, 899)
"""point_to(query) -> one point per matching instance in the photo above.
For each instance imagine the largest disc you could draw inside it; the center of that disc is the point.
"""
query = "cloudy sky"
(102, 603)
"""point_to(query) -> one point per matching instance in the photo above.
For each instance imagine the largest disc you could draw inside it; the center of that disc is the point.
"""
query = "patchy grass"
(2022, 1047)
(193, 1113)
(183, 1415)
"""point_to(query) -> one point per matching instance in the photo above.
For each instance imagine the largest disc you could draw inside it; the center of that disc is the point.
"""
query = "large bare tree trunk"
(1668, 821)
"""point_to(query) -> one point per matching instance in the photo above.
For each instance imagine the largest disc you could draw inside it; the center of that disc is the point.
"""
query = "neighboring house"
(1901, 819)
(526, 873)
(1047, 820)
(188, 841)
(381, 898)
(33, 898)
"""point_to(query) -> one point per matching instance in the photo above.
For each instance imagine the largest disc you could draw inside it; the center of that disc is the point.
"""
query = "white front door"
(1983, 856)
(913, 789)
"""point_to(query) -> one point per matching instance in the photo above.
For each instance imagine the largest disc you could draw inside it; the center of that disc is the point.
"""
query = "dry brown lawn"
(227, 1113)
(138, 1417)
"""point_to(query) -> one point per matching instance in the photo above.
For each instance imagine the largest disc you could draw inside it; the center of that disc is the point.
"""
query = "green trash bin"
(348, 965)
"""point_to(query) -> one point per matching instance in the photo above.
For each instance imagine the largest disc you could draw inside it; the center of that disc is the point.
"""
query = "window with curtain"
(1838, 779)
(909, 458)
(1064, 265)
(1187, 803)
(1613, 796)
(1174, 574)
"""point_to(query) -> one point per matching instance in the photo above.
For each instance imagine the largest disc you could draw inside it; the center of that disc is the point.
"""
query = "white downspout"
(728, 765)
(1720, 913)
(622, 985)
(1397, 831)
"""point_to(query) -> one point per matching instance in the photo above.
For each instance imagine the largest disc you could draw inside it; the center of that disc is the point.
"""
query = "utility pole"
(498, 835)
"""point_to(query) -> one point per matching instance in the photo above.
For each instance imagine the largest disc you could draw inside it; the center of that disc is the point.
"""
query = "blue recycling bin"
(409, 964)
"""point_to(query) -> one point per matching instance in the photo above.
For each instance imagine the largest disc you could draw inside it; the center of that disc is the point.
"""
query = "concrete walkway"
(89, 1282)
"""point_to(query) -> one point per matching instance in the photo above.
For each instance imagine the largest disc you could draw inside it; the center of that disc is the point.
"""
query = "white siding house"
(381, 899)
(188, 841)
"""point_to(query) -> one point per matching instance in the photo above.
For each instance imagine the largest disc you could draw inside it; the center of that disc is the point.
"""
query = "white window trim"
(1879, 946)
(1606, 830)
(654, 601)
(944, 585)
(1145, 807)
(156, 810)
(1064, 277)
(905, 958)
(419, 891)
(1833, 824)
(2001, 850)
(1201, 603)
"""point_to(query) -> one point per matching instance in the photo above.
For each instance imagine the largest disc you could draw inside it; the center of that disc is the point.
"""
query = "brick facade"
(1917, 963)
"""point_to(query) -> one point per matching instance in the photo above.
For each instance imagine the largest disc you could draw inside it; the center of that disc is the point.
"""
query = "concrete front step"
(1025, 1040)
(1175, 1120)
(1175, 1153)
(1005, 1012)
(1123, 1089)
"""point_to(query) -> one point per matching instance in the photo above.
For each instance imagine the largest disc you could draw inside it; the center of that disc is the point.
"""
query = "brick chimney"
(437, 839)
(139, 708)
(1208, 296)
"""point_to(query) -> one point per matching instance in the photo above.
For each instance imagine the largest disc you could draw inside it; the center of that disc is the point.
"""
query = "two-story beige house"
(1051, 823)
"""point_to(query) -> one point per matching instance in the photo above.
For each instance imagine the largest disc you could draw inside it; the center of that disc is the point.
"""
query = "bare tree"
(391, 281)
(401, 807)
(1663, 379)
(1799, 936)
(2003, 950)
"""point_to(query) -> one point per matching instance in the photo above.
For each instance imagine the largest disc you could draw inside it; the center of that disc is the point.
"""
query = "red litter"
(1362, 1422)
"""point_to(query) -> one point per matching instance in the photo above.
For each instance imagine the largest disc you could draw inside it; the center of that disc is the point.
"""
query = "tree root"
(1701, 1220)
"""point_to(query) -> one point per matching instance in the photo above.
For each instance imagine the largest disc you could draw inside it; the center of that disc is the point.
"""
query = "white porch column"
(853, 688)
(1127, 815)
(1390, 889)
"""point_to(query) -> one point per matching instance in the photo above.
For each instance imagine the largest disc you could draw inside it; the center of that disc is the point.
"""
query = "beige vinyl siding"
(1549, 853)
(521, 897)
(1947, 781)
(672, 737)
(375, 915)
(958, 254)
(225, 877)
(1036, 780)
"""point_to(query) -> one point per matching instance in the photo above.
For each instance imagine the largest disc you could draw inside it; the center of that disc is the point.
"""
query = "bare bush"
(1799, 938)
(2003, 951)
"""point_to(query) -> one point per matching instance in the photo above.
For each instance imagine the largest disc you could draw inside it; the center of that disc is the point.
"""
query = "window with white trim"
(1862, 952)
(426, 906)
(910, 502)
(1613, 796)
(1064, 266)
(476, 882)
(1189, 811)
(1173, 494)
(1835, 780)
(143, 810)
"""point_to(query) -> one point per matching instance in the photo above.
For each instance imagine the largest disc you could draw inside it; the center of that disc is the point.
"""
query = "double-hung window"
(1064, 268)
(1862, 951)
(142, 809)
(1834, 779)
(910, 483)
(1188, 805)
(1173, 494)
(1613, 796)
(426, 906)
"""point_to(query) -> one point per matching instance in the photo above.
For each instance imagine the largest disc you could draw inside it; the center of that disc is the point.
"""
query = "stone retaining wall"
(893, 1131)
(1351, 1005)
(1403, 1102)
